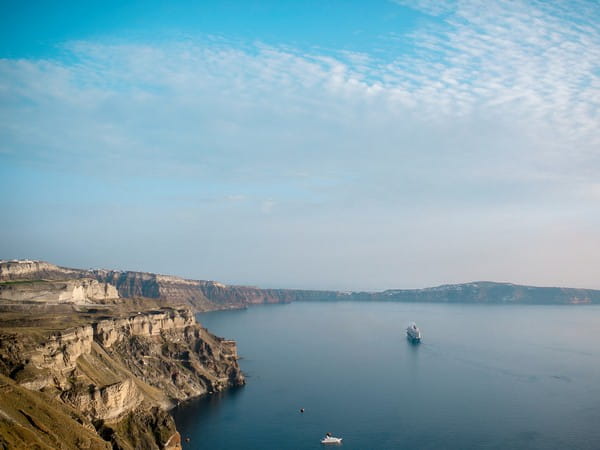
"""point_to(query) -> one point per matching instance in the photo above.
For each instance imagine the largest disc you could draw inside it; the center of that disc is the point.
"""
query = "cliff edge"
(108, 375)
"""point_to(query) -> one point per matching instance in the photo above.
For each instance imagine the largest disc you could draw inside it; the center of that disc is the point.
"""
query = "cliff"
(172, 290)
(111, 373)
(242, 296)
(45, 282)
(76, 291)
(490, 292)
(202, 295)
(36, 270)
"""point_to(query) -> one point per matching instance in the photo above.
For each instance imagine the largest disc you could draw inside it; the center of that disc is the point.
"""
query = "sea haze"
(484, 377)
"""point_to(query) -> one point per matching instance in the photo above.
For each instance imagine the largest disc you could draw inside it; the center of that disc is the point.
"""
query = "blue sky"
(314, 144)
(35, 28)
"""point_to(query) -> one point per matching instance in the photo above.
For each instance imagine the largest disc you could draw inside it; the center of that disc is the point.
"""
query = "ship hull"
(413, 339)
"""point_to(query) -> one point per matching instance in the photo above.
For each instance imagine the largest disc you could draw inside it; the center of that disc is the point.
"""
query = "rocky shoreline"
(79, 369)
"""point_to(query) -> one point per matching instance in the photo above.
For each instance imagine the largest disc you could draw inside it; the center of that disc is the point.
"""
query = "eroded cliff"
(26, 269)
(121, 370)
(170, 289)
(76, 291)
(203, 295)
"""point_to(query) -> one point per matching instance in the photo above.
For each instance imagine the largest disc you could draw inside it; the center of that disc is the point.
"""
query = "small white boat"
(329, 439)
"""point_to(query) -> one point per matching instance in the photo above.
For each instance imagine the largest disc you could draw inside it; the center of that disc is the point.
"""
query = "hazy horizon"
(316, 145)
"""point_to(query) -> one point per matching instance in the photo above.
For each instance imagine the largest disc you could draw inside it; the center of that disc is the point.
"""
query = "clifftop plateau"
(25, 269)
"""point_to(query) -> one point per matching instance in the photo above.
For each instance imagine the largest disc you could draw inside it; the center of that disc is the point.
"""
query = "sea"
(483, 377)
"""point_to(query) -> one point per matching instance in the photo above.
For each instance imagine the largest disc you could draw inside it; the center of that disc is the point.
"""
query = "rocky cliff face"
(35, 270)
(242, 296)
(130, 284)
(203, 295)
(172, 290)
(120, 373)
(76, 291)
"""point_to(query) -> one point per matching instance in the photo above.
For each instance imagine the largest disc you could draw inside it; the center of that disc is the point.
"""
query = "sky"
(352, 145)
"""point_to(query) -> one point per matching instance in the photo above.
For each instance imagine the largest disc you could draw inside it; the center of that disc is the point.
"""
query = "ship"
(329, 439)
(413, 334)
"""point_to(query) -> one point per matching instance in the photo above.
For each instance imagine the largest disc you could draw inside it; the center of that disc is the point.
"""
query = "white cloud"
(492, 112)
(484, 89)
(534, 61)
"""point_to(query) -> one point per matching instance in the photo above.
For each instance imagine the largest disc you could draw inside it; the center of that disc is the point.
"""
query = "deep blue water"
(484, 377)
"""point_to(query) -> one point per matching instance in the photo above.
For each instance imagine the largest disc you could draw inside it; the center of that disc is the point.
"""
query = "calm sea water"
(484, 377)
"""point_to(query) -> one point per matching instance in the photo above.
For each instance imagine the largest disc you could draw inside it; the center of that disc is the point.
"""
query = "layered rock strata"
(168, 288)
(26, 269)
(76, 291)
(121, 374)
(202, 295)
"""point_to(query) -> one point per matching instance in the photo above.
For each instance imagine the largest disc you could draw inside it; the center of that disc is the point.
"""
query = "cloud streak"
(490, 113)
(538, 60)
(523, 63)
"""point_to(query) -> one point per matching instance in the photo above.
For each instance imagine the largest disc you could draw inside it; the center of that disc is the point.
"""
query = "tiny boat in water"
(413, 334)
(329, 439)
